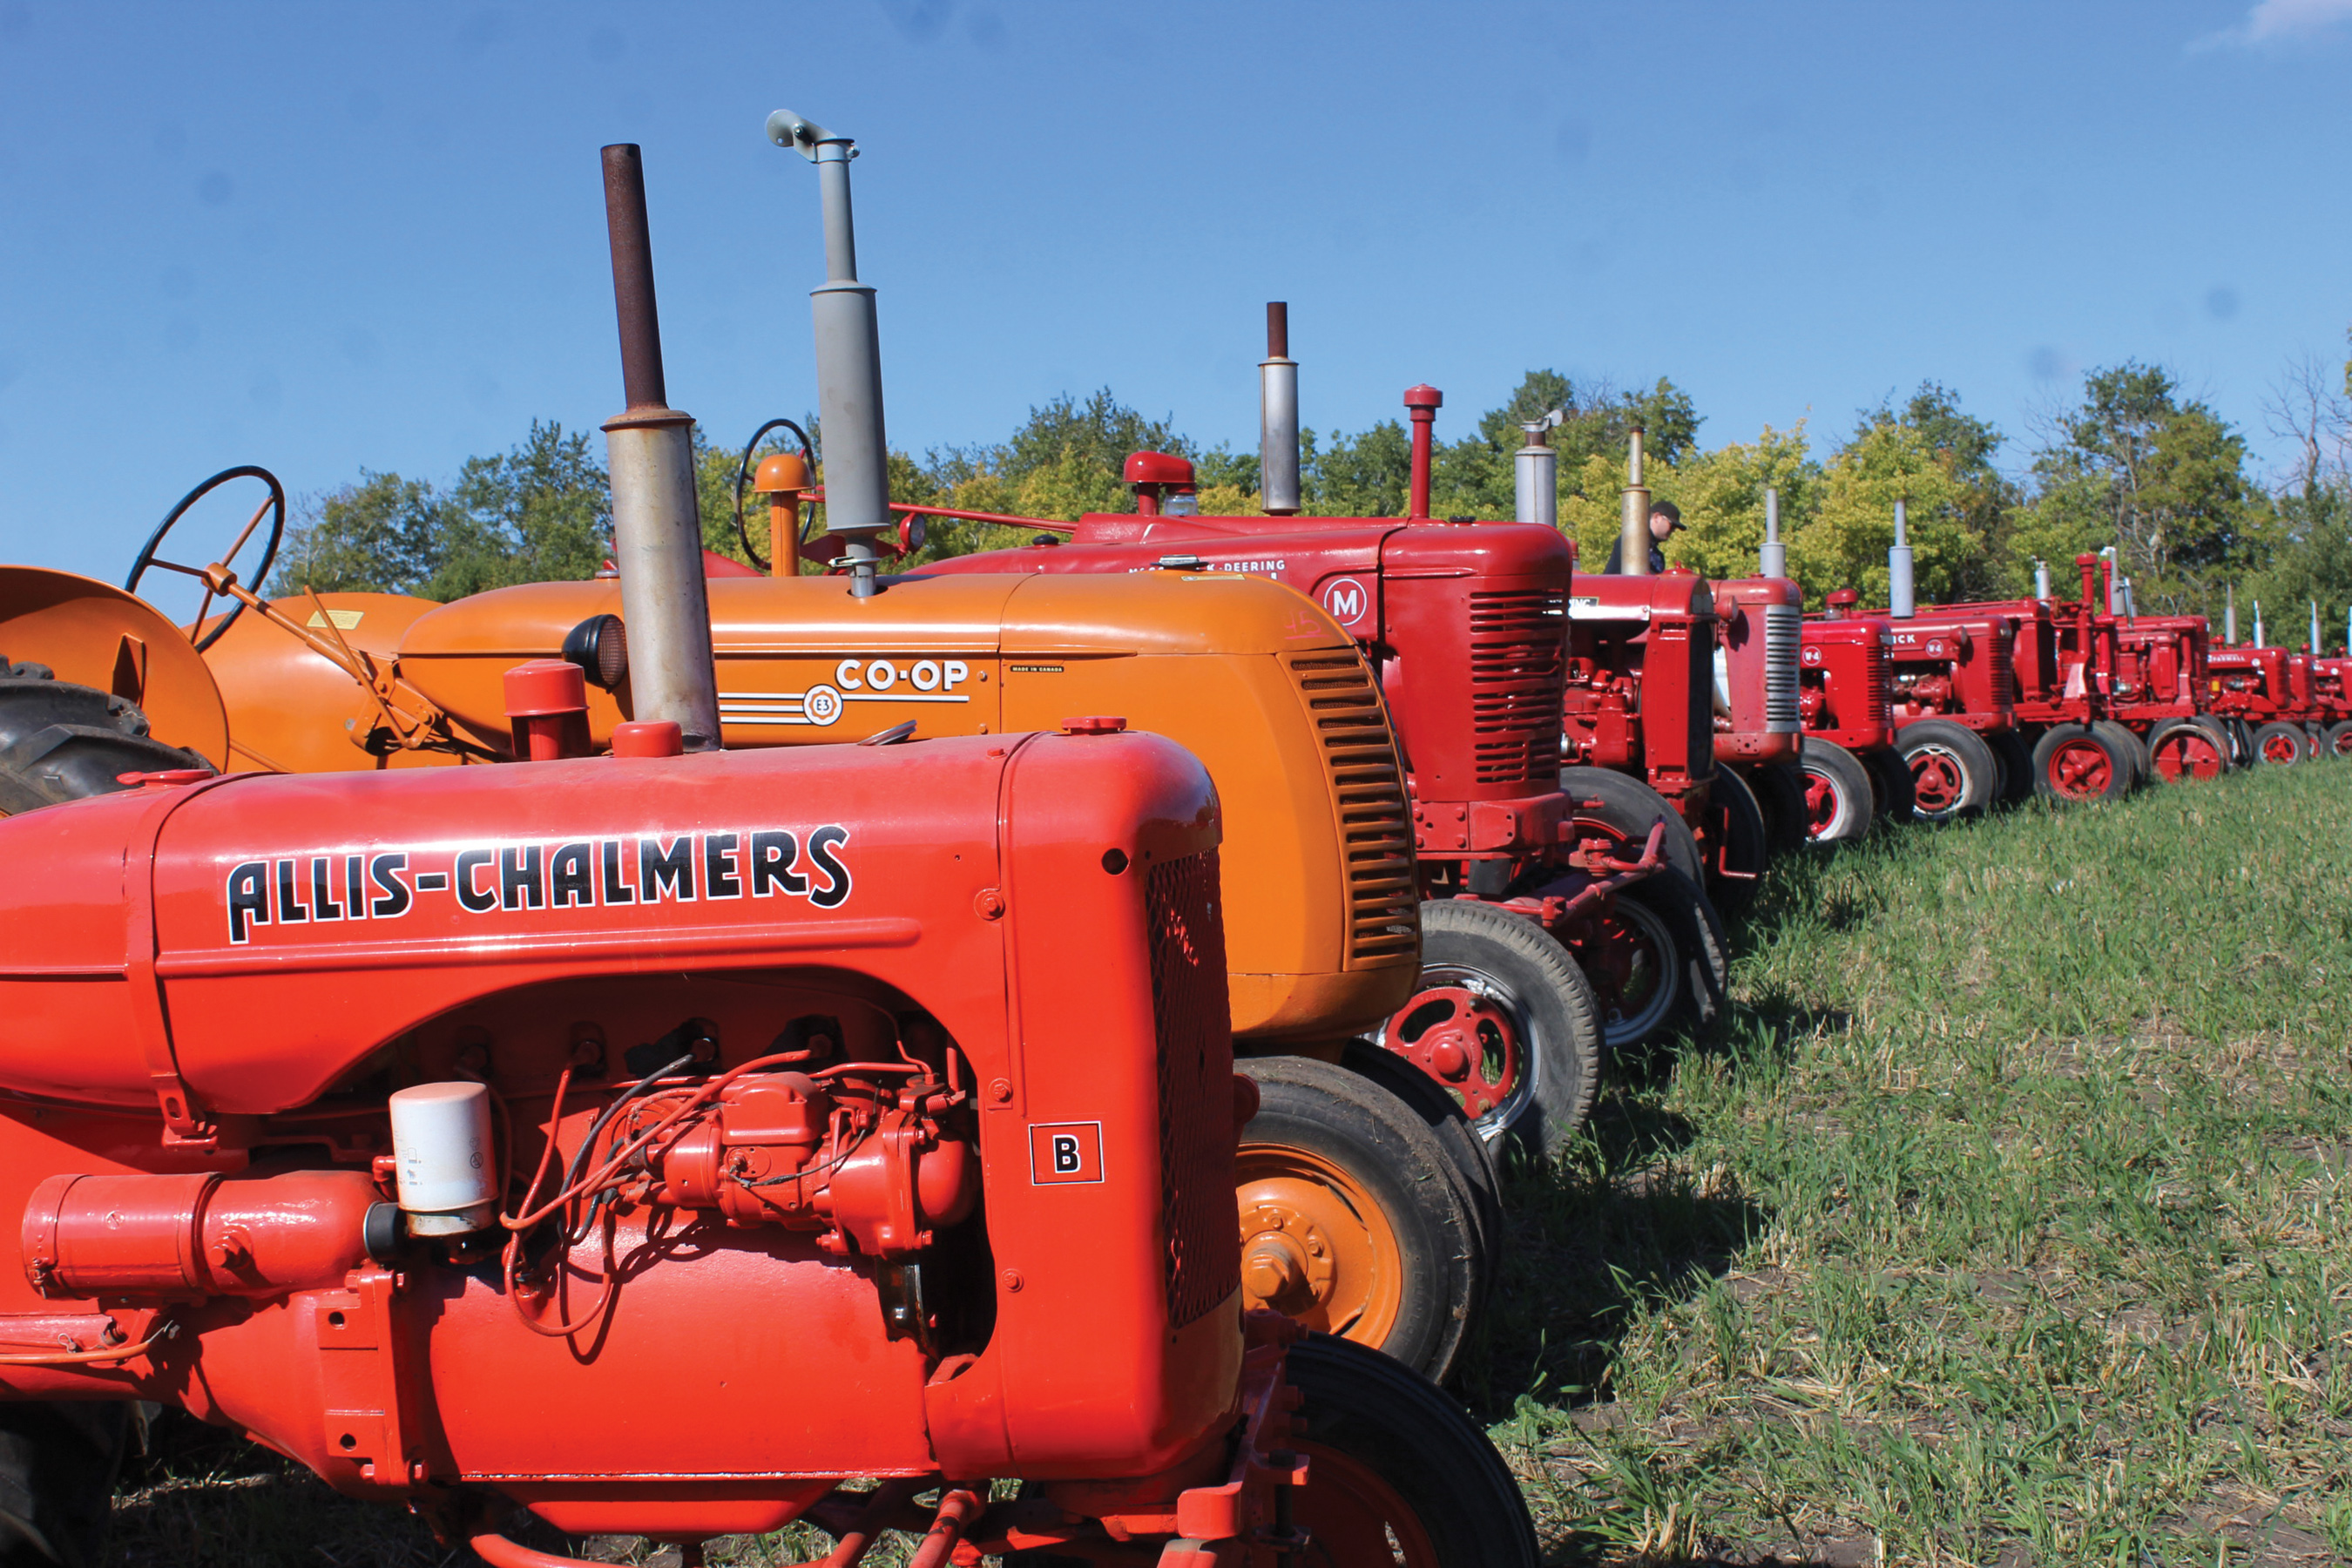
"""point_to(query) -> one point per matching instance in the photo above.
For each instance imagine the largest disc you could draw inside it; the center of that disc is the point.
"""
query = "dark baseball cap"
(1668, 510)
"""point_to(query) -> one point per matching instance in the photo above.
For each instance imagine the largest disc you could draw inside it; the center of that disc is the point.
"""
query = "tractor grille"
(2004, 669)
(1784, 629)
(1196, 1085)
(1874, 676)
(1518, 649)
(1368, 789)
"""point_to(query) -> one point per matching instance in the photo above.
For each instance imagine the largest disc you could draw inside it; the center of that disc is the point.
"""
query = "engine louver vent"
(1784, 631)
(2004, 671)
(1874, 676)
(1196, 1085)
(1367, 788)
(1517, 653)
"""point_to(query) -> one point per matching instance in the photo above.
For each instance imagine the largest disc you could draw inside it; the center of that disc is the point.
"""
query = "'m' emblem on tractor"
(1347, 600)
(586, 874)
(1065, 1151)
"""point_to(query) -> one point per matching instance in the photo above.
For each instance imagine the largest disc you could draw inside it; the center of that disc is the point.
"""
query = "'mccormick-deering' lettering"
(541, 879)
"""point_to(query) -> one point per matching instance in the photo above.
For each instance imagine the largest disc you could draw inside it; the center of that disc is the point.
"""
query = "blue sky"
(329, 237)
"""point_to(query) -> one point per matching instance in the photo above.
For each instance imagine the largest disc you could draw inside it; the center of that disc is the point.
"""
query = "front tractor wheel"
(1954, 772)
(2337, 739)
(1397, 1473)
(1839, 802)
(1504, 1020)
(2074, 763)
(2183, 749)
(1353, 1220)
(2282, 744)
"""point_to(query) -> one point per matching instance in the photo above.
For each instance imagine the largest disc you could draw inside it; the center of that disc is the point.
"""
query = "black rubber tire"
(1355, 1125)
(2123, 735)
(60, 742)
(2016, 754)
(2335, 740)
(1779, 790)
(1628, 806)
(1855, 799)
(2245, 734)
(2061, 737)
(2276, 730)
(1964, 753)
(1424, 1446)
(1890, 778)
(58, 1467)
(1533, 978)
(2218, 728)
(1702, 954)
(1745, 844)
(1472, 1157)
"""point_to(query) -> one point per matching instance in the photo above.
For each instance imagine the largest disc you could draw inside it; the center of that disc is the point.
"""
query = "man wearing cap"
(1664, 518)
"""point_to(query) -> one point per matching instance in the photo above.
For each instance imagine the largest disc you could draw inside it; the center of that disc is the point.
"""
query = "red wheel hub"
(1937, 784)
(2344, 743)
(2081, 769)
(1820, 804)
(2280, 749)
(2188, 754)
(1464, 1040)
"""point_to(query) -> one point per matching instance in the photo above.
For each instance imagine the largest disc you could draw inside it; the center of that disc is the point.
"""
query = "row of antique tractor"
(439, 1027)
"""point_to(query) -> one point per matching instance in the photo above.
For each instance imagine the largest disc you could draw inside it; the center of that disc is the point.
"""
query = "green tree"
(1843, 543)
(380, 535)
(1721, 494)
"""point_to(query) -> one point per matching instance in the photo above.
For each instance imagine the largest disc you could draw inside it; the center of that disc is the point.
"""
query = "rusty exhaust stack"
(1633, 523)
(1772, 559)
(1278, 417)
(848, 360)
(1535, 472)
(1901, 604)
(657, 523)
(1422, 403)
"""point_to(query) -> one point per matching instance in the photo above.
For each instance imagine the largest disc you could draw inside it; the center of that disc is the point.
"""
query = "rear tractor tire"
(1352, 1218)
(1480, 1184)
(1954, 774)
(1504, 1020)
(1840, 803)
(2142, 762)
(2335, 740)
(1743, 845)
(1779, 789)
(2282, 744)
(57, 1466)
(2074, 763)
(1398, 1473)
(2184, 750)
(60, 742)
(1627, 806)
(2016, 754)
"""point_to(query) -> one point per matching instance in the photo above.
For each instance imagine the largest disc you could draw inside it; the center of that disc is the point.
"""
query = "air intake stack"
(1278, 417)
(1634, 521)
(2042, 580)
(2230, 614)
(1535, 472)
(848, 360)
(1900, 604)
(1772, 559)
(656, 522)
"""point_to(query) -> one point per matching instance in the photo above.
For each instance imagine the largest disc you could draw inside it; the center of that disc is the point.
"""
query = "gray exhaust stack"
(2230, 614)
(848, 360)
(656, 522)
(1900, 604)
(1634, 521)
(1535, 472)
(1773, 559)
(2131, 601)
(2114, 582)
(2258, 622)
(2315, 628)
(1278, 417)
(2042, 580)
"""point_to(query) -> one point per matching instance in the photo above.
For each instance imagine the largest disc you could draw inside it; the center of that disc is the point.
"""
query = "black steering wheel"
(275, 504)
(743, 474)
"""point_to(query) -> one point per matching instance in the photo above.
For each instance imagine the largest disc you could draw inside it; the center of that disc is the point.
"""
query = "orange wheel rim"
(1355, 1518)
(1316, 1245)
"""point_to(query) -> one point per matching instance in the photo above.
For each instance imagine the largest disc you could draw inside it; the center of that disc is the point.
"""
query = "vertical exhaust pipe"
(656, 522)
(1278, 417)
(1423, 403)
(848, 360)
(1772, 559)
(2258, 624)
(1634, 520)
(2112, 578)
(2230, 614)
(1535, 472)
(2315, 628)
(2042, 580)
(1900, 604)
(2131, 601)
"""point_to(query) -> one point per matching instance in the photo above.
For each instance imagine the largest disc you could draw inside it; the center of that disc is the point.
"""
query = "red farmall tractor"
(1510, 843)
(2268, 693)
(660, 1141)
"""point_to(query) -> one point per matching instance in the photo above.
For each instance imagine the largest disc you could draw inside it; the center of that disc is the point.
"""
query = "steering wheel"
(743, 475)
(147, 557)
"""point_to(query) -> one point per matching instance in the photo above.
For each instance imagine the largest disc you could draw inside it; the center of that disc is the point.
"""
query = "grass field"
(2006, 1222)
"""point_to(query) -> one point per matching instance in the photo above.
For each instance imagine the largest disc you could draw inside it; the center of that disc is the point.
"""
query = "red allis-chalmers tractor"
(1368, 1206)
(669, 1048)
(1507, 841)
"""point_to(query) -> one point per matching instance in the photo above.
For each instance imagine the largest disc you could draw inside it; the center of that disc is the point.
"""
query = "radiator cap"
(1094, 724)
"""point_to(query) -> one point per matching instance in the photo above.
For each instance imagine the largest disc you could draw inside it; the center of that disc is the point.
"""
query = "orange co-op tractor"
(1369, 1206)
(919, 1052)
